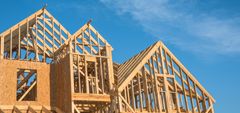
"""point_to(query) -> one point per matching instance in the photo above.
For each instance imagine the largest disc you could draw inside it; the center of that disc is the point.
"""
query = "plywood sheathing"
(8, 78)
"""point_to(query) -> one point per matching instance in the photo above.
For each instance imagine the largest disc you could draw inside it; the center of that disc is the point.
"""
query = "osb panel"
(61, 85)
(8, 82)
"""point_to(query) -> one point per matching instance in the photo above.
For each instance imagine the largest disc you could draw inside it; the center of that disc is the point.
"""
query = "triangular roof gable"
(48, 37)
(92, 40)
(131, 68)
(31, 18)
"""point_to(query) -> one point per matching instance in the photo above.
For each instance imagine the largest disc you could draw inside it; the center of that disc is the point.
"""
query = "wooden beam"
(186, 71)
(191, 97)
(45, 110)
(175, 86)
(184, 90)
(91, 97)
(32, 110)
(2, 47)
(22, 22)
(44, 37)
(165, 82)
(27, 36)
(25, 80)
(156, 89)
(140, 92)
(19, 41)
(197, 100)
(145, 87)
(16, 109)
(36, 33)
(133, 96)
(11, 44)
(29, 89)
(131, 109)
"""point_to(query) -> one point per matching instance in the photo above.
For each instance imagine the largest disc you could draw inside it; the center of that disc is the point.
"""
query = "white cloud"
(186, 27)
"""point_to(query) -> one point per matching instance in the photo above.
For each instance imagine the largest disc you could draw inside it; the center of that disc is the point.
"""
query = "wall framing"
(76, 73)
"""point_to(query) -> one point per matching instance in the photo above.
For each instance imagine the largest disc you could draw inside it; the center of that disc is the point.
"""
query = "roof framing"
(126, 74)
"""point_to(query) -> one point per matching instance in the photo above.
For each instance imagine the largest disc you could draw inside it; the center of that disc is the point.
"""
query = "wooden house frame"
(155, 81)
(46, 69)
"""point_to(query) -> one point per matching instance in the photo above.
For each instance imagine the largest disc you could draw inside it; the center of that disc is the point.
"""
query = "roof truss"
(155, 79)
(40, 37)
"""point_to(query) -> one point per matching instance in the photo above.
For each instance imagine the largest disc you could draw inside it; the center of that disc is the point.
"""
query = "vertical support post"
(128, 95)
(110, 65)
(75, 44)
(71, 71)
(175, 85)
(158, 90)
(2, 47)
(184, 91)
(53, 44)
(100, 64)
(125, 96)
(151, 70)
(27, 38)
(146, 92)
(44, 37)
(211, 104)
(60, 34)
(83, 48)
(19, 41)
(120, 103)
(99, 46)
(36, 32)
(10, 44)
(133, 96)
(101, 74)
(79, 75)
(156, 86)
(86, 74)
(166, 62)
(96, 76)
(196, 96)
(110, 74)
(140, 92)
(90, 40)
(203, 102)
(190, 92)
(165, 80)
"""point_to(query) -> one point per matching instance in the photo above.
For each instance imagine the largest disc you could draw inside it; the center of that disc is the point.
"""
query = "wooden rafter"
(153, 59)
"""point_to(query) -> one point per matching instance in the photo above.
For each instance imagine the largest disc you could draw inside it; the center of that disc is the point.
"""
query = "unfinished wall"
(61, 85)
(8, 82)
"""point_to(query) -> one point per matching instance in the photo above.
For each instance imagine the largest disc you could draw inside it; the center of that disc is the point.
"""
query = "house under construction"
(45, 69)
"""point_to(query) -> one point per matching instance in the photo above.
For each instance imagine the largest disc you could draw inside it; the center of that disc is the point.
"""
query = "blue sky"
(203, 34)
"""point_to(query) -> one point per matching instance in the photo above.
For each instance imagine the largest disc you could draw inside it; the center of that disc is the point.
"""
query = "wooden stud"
(44, 37)
(140, 92)
(184, 91)
(145, 87)
(190, 93)
(133, 96)
(156, 87)
(10, 51)
(2, 47)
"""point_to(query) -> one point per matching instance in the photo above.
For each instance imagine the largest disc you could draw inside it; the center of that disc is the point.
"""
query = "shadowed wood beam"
(16, 109)
(31, 109)
(29, 89)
